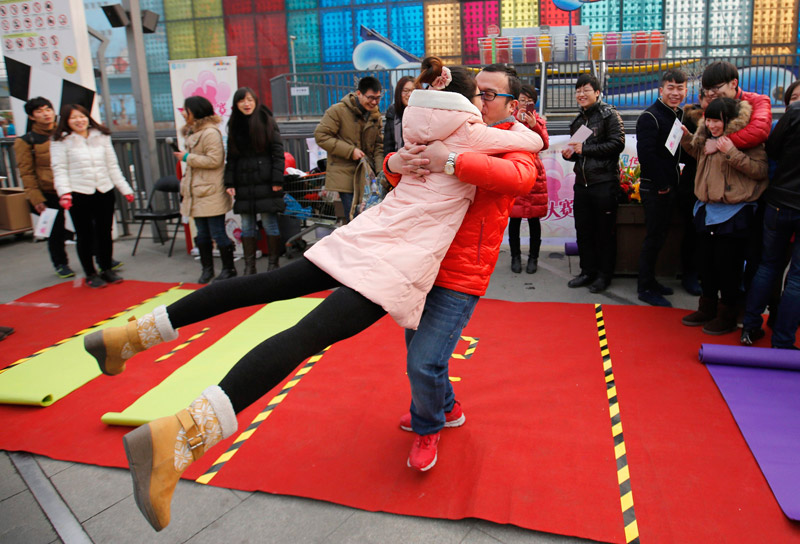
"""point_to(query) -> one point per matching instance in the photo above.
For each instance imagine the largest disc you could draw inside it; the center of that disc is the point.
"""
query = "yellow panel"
(180, 37)
(519, 13)
(443, 29)
(773, 22)
(211, 34)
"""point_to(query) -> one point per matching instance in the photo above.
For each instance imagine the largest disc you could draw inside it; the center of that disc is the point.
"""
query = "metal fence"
(628, 85)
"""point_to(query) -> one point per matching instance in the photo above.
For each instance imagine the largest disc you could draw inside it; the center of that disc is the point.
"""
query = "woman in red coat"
(533, 205)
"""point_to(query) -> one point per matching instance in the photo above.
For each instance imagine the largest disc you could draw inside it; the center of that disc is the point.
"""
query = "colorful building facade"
(326, 31)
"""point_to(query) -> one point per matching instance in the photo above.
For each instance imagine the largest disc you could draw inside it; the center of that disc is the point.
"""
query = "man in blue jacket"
(658, 134)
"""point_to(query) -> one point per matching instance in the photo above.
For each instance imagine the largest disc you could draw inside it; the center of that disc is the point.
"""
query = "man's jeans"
(446, 313)
(779, 227)
(250, 227)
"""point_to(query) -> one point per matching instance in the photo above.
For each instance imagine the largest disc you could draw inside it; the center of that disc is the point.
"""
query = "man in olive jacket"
(596, 184)
(349, 131)
(33, 158)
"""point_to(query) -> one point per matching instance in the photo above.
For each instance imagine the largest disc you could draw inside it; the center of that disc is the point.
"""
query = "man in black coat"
(781, 225)
(596, 184)
(658, 134)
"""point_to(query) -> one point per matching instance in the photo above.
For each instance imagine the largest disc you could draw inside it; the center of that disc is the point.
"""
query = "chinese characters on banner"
(558, 226)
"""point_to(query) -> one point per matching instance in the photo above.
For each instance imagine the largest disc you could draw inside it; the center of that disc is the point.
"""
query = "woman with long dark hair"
(393, 126)
(202, 189)
(85, 172)
(254, 174)
(385, 260)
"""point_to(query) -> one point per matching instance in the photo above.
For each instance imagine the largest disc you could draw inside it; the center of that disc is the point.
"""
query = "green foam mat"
(209, 367)
(57, 372)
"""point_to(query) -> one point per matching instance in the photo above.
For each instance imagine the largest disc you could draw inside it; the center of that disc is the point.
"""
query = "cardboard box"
(14, 210)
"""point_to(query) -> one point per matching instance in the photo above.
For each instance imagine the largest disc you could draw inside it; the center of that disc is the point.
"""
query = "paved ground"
(44, 500)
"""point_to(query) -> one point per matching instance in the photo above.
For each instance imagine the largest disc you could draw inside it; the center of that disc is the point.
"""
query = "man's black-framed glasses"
(488, 96)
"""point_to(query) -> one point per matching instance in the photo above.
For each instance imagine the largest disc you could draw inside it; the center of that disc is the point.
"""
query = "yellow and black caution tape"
(473, 344)
(183, 345)
(259, 419)
(89, 329)
(623, 474)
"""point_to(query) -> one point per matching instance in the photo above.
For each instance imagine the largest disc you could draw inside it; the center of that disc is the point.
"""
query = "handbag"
(44, 226)
(374, 191)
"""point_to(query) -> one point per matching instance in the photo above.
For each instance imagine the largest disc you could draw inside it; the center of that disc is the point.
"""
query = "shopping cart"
(308, 202)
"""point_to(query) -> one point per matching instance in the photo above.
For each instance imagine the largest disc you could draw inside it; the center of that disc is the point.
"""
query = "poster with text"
(558, 225)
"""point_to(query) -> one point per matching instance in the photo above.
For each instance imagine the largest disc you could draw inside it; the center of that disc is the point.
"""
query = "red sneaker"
(453, 418)
(423, 452)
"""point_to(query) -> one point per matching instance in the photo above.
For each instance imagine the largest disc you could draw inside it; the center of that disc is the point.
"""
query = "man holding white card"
(658, 135)
(597, 139)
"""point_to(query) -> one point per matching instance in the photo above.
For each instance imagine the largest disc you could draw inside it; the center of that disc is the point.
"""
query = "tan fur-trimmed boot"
(160, 451)
(112, 346)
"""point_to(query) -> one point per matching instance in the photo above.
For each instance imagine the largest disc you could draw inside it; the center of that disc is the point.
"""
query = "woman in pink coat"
(383, 261)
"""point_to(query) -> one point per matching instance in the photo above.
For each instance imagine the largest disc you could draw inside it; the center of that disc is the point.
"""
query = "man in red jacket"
(721, 79)
(468, 265)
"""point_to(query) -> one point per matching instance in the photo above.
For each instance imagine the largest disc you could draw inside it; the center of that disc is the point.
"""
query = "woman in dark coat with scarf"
(254, 174)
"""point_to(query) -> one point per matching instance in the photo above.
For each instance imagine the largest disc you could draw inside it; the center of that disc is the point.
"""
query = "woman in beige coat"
(203, 188)
(728, 183)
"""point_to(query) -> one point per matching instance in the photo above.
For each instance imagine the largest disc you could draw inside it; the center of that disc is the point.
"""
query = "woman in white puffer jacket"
(85, 172)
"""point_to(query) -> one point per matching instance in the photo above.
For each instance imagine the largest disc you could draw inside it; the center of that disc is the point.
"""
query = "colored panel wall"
(773, 22)
(407, 27)
(304, 25)
(602, 16)
(301, 4)
(240, 33)
(684, 23)
(375, 18)
(729, 23)
(180, 36)
(177, 9)
(549, 14)
(443, 29)
(642, 15)
(210, 37)
(262, 6)
(475, 17)
(207, 8)
(238, 7)
(336, 30)
(273, 46)
(519, 13)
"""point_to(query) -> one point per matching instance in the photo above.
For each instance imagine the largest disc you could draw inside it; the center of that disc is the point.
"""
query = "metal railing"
(628, 84)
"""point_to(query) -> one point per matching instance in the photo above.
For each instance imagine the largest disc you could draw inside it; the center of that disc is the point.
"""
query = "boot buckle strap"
(194, 439)
(132, 329)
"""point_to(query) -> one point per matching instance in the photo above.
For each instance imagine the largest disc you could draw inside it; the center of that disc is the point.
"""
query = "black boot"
(228, 271)
(249, 247)
(516, 263)
(533, 265)
(274, 245)
(206, 261)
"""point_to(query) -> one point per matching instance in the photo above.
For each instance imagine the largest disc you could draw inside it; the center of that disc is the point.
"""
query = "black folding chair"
(170, 187)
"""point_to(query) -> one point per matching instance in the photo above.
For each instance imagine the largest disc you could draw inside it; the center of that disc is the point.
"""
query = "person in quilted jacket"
(85, 174)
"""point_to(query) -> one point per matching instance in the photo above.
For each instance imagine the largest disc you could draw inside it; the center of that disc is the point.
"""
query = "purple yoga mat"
(764, 398)
(784, 359)
(571, 248)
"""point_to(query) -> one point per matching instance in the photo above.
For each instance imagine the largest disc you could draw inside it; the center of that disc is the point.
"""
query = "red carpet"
(536, 450)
